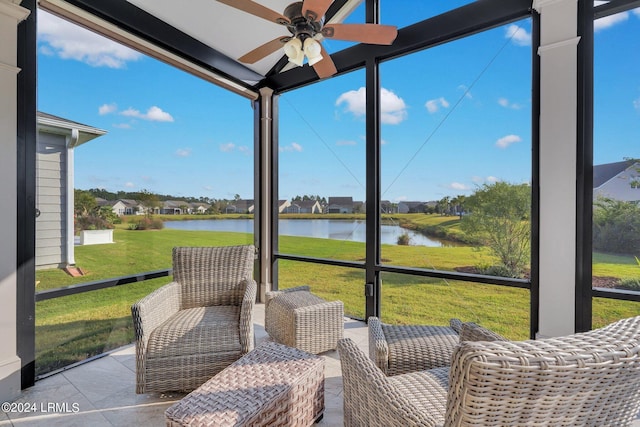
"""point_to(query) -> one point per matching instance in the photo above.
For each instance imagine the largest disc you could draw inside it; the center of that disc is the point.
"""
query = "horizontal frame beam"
(136, 21)
(100, 284)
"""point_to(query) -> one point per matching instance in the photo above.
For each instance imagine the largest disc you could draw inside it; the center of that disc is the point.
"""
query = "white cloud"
(504, 102)
(122, 126)
(518, 35)
(183, 152)
(393, 109)
(228, 147)
(129, 184)
(346, 142)
(636, 104)
(70, 41)
(466, 90)
(433, 105)
(107, 109)
(506, 141)
(482, 180)
(458, 186)
(244, 149)
(610, 21)
(154, 114)
(401, 198)
(207, 187)
(294, 146)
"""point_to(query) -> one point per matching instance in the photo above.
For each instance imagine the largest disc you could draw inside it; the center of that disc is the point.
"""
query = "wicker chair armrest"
(272, 294)
(247, 337)
(322, 307)
(269, 296)
(149, 313)
(378, 347)
(370, 397)
(154, 309)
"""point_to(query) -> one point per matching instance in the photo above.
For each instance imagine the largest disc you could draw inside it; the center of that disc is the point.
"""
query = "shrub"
(404, 239)
(499, 220)
(630, 284)
(146, 223)
(500, 271)
(91, 222)
(616, 226)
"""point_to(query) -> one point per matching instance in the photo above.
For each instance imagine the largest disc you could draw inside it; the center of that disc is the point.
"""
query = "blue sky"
(454, 117)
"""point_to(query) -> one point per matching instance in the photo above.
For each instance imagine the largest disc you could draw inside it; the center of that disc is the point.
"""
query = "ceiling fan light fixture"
(313, 51)
(293, 50)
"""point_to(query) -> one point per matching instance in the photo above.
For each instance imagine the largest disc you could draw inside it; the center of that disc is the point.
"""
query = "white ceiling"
(226, 29)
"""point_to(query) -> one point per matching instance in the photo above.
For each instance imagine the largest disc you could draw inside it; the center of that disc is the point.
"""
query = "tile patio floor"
(103, 391)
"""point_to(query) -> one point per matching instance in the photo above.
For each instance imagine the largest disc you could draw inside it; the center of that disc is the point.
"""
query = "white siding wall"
(51, 200)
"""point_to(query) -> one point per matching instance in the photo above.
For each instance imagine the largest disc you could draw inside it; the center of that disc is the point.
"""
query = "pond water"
(337, 229)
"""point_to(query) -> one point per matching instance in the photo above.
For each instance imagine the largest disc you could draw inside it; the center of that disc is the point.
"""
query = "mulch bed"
(596, 281)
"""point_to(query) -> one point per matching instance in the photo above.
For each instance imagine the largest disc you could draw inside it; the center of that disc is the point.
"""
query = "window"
(616, 168)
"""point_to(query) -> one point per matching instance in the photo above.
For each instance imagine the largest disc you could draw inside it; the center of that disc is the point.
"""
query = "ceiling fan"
(305, 22)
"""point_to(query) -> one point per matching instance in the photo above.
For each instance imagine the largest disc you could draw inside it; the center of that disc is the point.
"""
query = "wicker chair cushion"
(427, 391)
(418, 347)
(473, 332)
(212, 275)
(200, 330)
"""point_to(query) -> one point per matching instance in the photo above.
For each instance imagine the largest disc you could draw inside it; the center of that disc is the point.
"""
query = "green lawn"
(72, 328)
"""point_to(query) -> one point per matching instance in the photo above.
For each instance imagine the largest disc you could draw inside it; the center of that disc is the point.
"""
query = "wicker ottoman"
(273, 385)
(297, 318)
(399, 349)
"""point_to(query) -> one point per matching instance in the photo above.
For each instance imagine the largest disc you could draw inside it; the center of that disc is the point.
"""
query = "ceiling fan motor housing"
(300, 26)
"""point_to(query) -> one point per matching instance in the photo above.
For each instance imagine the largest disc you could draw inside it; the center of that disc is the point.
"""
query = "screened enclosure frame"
(456, 24)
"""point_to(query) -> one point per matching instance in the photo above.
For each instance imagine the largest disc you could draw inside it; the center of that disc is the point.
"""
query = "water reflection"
(337, 229)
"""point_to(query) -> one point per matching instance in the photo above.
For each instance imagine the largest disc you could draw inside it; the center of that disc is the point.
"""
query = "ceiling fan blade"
(364, 33)
(315, 9)
(264, 50)
(257, 10)
(325, 67)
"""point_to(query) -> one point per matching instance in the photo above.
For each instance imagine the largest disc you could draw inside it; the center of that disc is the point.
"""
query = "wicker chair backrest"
(586, 379)
(212, 275)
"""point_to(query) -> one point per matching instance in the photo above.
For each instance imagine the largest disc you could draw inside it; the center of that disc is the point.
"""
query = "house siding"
(51, 201)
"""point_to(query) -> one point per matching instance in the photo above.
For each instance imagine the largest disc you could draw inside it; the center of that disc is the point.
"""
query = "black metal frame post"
(584, 170)
(26, 203)
(534, 277)
(373, 288)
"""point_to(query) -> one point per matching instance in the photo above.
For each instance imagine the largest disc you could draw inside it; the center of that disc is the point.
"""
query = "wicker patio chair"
(586, 379)
(194, 327)
(399, 349)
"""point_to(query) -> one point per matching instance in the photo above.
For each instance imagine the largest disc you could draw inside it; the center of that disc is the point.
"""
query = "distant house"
(386, 207)
(198, 208)
(283, 205)
(117, 206)
(618, 181)
(411, 207)
(174, 207)
(304, 207)
(240, 206)
(57, 138)
(132, 207)
(340, 205)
